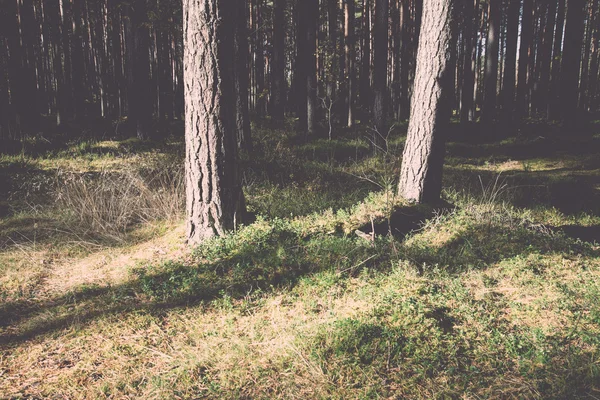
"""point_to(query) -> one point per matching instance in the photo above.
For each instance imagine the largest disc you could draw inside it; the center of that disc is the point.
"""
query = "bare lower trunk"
(214, 198)
(421, 172)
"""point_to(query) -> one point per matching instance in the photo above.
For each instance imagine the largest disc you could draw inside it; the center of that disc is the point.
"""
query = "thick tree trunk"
(491, 62)
(242, 117)
(523, 79)
(509, 80)
(571, 62)
(278, 62)
(350, 58)
(380, 73)
(214, 197)
(422, 162)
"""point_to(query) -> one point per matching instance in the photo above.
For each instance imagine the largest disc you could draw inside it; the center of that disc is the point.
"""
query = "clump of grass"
(109, 203)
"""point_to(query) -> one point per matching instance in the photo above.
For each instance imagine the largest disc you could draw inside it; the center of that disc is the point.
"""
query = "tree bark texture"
(214, 197)
(422, 162)
(242, 116)
(491, 62)
(278, 62)
(571, 61)
(380, 62)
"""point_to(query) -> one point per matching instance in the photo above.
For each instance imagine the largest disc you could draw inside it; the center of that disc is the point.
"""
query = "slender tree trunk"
(242, 117)
(365, 73)
(509, 81)
(140, 100)
(593, 80)
(380, 73)
(545, 57)
(423, 157)
(554, 103)
(406, 58)
(259, 62)
(525, 46)
(278, 62)
(350, 58)
(585, 69)
(214, 197)
(467, 111)
(333, 64)
(491, 62)
(571, 62)
(312, 13)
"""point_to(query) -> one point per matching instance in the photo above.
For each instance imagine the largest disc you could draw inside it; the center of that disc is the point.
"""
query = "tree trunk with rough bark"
(242, 116)
(423, 157)
(312, 15)
(571, 62)
(380, 73)
(278, 62)
(509, 79)
(524, 47)
(491, 62)
(214, 197)
(350, 58)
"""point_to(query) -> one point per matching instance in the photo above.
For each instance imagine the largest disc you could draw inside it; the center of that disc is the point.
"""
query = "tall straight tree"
(467, 109)
(380, 63)
(524, 47)
(553, 102)
(312, 16)
(571, 61)
(214, 197)
(365, 71)
(242, 117)
(350, 59)
(278, 62)
(140, 103)
(510, 64)
(491, 61)
(423, 157)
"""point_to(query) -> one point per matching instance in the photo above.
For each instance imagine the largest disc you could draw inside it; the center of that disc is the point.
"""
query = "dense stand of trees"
(65, 61)
(323, 62)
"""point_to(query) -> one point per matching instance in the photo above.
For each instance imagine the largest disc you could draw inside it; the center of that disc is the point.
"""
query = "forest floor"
(493, 294)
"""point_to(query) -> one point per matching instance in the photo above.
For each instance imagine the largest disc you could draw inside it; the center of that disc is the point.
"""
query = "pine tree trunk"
(380, 73)
(585, 69)
(214, 197)
(312, 14)
(350, 58)
(509, 80)
(571, 62)
(405, 62)
(423, 157)
(467, 112)
(242, 116)
(365, 72)
(491, 62)
(278, 62)
(259, 63)
(554, 103)
(524, 47)
(545, 57)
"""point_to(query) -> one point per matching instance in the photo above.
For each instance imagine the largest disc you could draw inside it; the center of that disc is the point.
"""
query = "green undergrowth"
(494, 293)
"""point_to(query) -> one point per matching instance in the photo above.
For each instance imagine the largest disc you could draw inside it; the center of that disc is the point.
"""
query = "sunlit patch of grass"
(495, 297)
